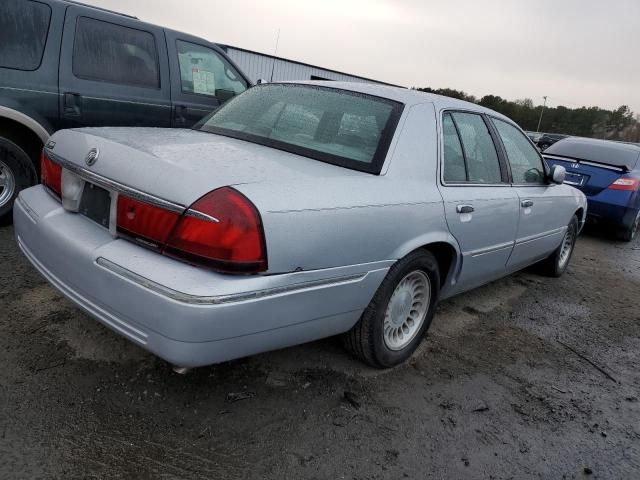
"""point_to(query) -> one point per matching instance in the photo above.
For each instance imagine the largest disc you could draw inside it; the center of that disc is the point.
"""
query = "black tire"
(629, 233)
(544, 146)
(556, 264)
(366, 339)
(16, 165)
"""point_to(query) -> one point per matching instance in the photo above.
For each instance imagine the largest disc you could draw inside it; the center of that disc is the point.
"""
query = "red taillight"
(222, 230)
(145, 222)
(626, 183)
(51, 174)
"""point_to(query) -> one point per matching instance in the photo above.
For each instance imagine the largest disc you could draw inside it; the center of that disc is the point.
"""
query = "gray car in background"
(294, 212)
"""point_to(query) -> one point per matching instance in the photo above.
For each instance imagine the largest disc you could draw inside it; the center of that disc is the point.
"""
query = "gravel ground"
(528, 377)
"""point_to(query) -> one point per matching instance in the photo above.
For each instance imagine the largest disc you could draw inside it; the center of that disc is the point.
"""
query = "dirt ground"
(528, 377)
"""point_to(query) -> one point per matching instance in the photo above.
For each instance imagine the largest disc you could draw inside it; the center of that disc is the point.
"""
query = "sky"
(576, 52)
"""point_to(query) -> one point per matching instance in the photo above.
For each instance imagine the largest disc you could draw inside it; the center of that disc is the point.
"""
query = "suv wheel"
(16, 173)
(399, 314)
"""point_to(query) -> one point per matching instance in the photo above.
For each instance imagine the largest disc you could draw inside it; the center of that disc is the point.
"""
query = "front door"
(202, 79)
(481, 208)
(545, 209)
(113, 72)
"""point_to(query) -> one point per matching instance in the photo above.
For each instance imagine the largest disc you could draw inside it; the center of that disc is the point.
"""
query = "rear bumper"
(614, 214)
(183, 314)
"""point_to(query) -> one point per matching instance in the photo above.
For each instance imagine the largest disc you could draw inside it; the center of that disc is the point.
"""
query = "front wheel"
(399, 314)
(556, 264)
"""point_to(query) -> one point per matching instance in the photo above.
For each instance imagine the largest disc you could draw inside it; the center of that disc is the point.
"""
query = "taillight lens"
(222, 230)
(51, 174)
(625, 183)
(145, 222)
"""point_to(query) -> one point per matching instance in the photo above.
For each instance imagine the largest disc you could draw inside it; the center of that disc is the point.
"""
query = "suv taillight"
(221, 230)
(51, 174)
(625, 183)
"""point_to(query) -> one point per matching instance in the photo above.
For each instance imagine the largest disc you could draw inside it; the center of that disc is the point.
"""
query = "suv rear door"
(202, 78)
(113, 71)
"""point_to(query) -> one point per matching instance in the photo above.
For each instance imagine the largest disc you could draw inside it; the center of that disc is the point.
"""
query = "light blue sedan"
(295, 212)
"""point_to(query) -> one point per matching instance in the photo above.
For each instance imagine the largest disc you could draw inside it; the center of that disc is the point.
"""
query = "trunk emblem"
(92, 157)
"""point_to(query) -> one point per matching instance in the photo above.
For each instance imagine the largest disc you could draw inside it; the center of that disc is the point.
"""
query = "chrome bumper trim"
(223, 299)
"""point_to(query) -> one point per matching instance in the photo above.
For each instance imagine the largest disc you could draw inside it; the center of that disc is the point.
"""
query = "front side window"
(23, 34)
(112, 53)
(204, 71)
(336, 126)
(480, 155)
(525, 162)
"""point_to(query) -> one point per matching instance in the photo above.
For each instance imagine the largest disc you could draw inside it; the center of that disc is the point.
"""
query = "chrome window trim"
(117, 187)
(223, 299)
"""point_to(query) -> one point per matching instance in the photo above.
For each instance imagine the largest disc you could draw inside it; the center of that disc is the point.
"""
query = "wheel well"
(580, 213)
(24, 137)
(445, 255)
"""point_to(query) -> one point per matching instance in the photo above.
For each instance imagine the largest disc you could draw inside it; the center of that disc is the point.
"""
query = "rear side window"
(478, 150)
(525, 162)
(204, 71)
(107, 52)
(23, 33)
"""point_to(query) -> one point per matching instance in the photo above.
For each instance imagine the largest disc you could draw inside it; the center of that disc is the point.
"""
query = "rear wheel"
(544, 146)
(16, 173)
(399, 314)
(556, 264)
(630, 232)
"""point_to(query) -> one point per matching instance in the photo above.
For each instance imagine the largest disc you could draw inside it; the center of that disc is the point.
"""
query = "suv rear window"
(23, 33)
(112, 53)
(341, 127)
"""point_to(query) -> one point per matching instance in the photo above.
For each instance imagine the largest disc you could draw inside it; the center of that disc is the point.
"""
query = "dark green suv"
(64, 65)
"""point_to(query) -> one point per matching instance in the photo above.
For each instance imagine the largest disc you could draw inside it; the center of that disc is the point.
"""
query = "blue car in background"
(608, 173)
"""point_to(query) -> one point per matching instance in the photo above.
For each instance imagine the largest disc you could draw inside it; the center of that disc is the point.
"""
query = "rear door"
(202, 78)
(481, 208)
(545, 209)
(113, 71)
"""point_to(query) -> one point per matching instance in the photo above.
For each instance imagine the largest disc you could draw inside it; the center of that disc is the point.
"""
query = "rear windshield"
(341, 127)
(599, 151)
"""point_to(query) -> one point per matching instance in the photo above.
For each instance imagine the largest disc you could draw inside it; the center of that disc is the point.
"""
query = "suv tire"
(16, 173)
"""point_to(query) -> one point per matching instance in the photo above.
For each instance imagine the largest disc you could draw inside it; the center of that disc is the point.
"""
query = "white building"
(268, 67)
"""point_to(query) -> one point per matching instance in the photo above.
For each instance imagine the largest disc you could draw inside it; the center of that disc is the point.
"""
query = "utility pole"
(541, 112)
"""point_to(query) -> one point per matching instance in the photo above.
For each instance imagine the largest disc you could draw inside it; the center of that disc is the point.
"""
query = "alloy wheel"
(407, 310)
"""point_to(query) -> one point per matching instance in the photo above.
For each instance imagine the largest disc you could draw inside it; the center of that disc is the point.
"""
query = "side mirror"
(557, 174)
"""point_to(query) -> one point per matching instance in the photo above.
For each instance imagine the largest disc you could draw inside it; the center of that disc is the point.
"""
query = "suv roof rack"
(100, 8)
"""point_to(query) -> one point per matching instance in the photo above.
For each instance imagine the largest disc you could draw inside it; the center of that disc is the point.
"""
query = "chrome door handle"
(464, 209)
(526, 203)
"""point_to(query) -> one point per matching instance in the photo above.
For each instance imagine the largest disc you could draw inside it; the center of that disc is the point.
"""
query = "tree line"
(619, 124)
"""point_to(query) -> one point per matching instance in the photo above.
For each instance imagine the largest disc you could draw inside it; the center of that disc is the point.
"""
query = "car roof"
(601, 151)
(406, 96)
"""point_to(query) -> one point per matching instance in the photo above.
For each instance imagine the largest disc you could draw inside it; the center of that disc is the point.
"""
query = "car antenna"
(275, 51)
